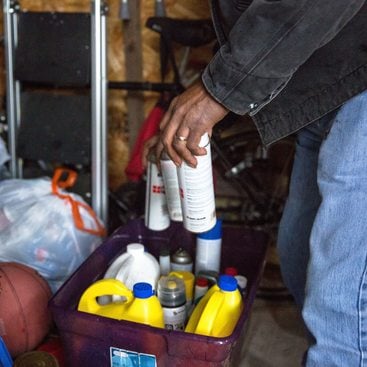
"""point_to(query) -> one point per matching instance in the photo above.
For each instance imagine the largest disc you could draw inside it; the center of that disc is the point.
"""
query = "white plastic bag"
(4, 155)
(45, 227)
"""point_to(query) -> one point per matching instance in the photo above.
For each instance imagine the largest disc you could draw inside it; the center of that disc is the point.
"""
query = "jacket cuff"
(239, 92)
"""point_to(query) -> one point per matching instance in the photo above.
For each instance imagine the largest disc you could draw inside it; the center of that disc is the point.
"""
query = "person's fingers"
(148, 145)
(180, 146)
(168, 114)
(158, 153)
(169, 134)
(194, 143)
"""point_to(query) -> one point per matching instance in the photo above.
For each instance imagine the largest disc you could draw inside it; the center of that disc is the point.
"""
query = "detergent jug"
(140, 305)
(145, 307)
(134, 266)
(105, 288)
(218, 311)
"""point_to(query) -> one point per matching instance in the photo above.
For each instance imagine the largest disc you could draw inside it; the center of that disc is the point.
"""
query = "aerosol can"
(170, 179)
(197, 192)
(156, 212)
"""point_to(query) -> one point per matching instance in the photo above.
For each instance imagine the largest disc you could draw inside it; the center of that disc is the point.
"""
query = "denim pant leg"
(301, 207)
(336, 288)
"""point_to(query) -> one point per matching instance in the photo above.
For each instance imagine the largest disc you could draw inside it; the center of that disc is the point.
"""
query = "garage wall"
(118, 127)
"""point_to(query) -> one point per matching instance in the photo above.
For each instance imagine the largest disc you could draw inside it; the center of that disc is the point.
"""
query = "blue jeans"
(322, 239)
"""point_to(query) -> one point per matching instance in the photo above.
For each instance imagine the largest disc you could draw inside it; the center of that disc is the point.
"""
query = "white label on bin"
(127, 358)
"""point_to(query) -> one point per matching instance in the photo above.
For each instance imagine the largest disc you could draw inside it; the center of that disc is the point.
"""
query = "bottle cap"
(142, 290)
(164, 251)
(202, 282)
(227, 283)
(242, 282)
(213, 234)
(171, 291)
(231, 270)
(134, 248)
(211, 275)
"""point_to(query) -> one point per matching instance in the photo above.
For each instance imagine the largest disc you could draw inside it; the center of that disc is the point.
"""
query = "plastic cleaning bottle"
(145, 307)
(105, 288)
(241, 279)
(201, 287)
(134, 266)
(218, 311)
(208, 249)
(164, 261)
(140, 306)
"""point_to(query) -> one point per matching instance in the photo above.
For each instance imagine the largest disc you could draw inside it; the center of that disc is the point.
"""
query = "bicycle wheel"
(251, 180)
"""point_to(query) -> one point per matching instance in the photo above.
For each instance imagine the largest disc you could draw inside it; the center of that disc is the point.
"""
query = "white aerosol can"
(170, 179)
(197, 192)
(156, 213)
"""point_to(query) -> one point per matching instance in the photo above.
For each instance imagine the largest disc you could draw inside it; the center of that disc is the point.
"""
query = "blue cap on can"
(227, 282)
(213, 234)
(142, 290)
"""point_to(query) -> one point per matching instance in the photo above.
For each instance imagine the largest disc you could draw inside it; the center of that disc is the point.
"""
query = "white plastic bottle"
(197, 192)
(164, 261)
(208, 249)
(201, 287)
(135, 266)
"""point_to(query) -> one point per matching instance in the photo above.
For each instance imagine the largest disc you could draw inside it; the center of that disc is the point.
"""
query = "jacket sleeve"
(266, 45)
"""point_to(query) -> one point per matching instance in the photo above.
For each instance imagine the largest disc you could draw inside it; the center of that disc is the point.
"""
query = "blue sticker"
(126, 358)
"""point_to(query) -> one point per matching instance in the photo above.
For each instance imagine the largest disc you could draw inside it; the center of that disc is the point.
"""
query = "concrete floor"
(276, 336)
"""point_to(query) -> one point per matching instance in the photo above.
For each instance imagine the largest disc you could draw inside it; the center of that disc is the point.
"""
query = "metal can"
(170, 179)
(172, 296)
(36, 358)
(181, 260)
(156, 213)
(197, 192)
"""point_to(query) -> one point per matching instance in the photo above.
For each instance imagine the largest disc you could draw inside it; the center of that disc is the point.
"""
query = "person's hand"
(189, 116)
(149, 146)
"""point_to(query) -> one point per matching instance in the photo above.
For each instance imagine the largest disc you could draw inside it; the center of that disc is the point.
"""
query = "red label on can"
(158, 189)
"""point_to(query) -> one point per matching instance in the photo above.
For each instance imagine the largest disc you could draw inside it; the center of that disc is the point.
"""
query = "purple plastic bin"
(95, 341)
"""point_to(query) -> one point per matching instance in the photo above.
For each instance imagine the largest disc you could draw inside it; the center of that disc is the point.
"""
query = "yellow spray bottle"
(218, 311)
